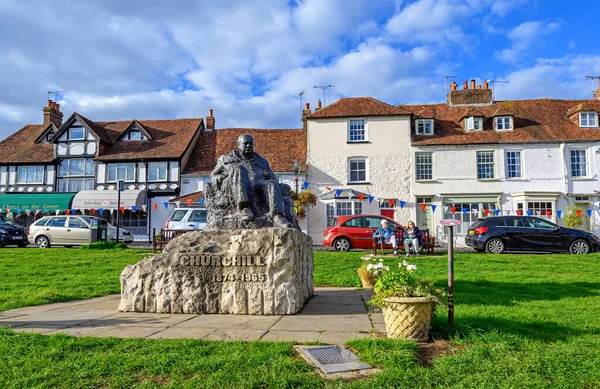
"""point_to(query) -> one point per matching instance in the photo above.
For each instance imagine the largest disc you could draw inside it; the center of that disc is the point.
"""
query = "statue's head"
(245, 145)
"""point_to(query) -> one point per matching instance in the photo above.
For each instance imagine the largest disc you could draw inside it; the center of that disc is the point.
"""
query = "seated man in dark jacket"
(411, 237)
(387, 235)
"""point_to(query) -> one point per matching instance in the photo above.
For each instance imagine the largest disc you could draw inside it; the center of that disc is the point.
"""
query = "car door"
(515, 232)
(543, 235)
(354, 228)
(55, 229)
(77, 231)
(197, 220)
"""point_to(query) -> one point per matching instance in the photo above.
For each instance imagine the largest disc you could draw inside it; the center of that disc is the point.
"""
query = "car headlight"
(2, 231)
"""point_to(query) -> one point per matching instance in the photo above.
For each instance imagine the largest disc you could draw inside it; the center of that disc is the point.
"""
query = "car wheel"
(42, 242)
(341, 244)
(580, 246)
(494, 246)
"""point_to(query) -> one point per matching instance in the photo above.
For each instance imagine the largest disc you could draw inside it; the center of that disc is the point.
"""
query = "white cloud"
(523, 37)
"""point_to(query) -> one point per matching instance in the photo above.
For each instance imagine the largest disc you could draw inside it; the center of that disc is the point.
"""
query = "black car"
(523, 233)
(11, 234)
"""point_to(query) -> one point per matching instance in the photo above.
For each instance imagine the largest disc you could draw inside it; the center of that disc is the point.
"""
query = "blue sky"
(123, 60)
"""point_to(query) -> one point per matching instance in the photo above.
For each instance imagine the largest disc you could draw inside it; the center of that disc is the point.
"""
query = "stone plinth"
(257, 272)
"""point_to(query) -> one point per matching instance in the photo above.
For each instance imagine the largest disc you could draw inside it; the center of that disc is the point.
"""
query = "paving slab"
(37, 328)
(81, 331)
(183, 332)
(232, 321)
(65, 317)
(342, 323)
(130, 332)
(140, 319)
(230, 334)
(292, 336)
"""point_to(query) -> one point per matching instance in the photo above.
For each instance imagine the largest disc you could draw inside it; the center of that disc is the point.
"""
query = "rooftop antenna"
(446, 82)
(493, 82)
(301, 94)
(324, 87)
(56, 93)
(592, 78)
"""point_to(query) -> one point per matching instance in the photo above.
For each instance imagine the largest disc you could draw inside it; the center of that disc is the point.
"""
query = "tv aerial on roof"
(446, 82)
(592, 78)
(56, 93)
(493, 82)
(324, 87)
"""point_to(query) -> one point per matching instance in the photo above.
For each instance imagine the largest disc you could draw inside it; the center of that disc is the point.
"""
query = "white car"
(124, 235)
(187, 219)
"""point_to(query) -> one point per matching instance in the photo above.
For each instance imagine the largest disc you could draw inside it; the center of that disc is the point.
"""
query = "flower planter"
(366, 277)
(407, 317)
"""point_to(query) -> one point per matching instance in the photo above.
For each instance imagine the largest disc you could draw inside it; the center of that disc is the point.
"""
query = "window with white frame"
(474, 123)
(588, 119)
(357, 170)
(513, 164)
(485, 165)
(30, 175)
(121, 172)
(424, 126)
(356, 131)
(76, 133)
(76, 167)
(578, 163)
(503, 123)
(157, 171)
(424, 166)
(536, 208)
(342, 208)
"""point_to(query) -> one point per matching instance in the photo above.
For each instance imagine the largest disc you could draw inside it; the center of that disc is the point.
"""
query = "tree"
(572, 218)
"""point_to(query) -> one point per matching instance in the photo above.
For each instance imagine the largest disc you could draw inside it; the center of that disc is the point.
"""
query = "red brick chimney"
(305, 113)
(475, 95)
(52, 114)
(210, 120)
(597, 92)
(318, 106)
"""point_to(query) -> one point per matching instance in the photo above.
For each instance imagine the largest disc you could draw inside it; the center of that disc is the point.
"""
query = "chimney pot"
(210, 112)
(49, 103)
(486, 85)
(210, 120)
(319, 103)
(453, 86)
(307, 106)
(473, 84)
(465, 85)
(57, 107)
(478, 86)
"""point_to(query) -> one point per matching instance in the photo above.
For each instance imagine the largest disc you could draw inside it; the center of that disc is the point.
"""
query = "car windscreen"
(178, 215)
(5, 222)
(199, 216)
(476, 224)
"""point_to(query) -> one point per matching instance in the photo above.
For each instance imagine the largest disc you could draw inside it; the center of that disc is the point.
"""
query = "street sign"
(450, 222)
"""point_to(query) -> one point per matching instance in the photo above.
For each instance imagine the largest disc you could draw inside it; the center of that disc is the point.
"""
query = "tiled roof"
(357, 106)
(535, 121)
(20, 147)
(281, 147)
(190, 196)
(170, 139)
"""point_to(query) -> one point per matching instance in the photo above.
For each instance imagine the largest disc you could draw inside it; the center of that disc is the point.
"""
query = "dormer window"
(134, 135)
(474, 123)
(424, 126)
(76, 133)
(503, 123)
(588, 119)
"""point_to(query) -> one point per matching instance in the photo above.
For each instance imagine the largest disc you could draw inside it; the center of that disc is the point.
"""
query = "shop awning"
(107, 199)
(342, 194)
(35, 201)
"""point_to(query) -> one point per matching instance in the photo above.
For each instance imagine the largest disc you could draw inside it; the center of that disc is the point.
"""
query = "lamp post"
(296, 173)
(120, 187)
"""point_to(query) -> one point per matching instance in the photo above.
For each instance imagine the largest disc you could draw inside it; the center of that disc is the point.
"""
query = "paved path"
(333, 315)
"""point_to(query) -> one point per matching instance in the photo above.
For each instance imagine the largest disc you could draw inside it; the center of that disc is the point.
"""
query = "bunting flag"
(166, 204)
(423, 206)
(189, 201)
(371, 198)
(350, 195)
(201, 200)
(144, 207)
(328, 187)
(57, 211)
(559, 214)
(589, 212)
(549, 213)
(402, 204)
(37, 211)
(464, 211)
(27, 211)
(73, 211)
(453, 209)
(496, 212)
(392, 202)
(134, 208)
(122, 210)
(486, 212)
(519, 212)
(93, 211)
(433, 207)
(579, 213)
(361, 197)
(68, 211)
(17, 211)
(154, 206)
(178, 203)
(529, 212)
(305, 185)
(100, 211)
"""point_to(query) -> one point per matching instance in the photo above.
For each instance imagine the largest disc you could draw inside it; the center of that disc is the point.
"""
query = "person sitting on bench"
(411, 237)
(386, 235)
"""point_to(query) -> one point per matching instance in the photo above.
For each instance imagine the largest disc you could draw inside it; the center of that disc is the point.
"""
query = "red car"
(356, 231)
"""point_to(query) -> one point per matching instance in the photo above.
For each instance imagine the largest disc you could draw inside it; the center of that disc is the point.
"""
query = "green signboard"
(36, 201)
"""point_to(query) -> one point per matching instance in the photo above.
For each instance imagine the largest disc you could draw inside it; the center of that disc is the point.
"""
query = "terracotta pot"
(407, 317)
(366, 277)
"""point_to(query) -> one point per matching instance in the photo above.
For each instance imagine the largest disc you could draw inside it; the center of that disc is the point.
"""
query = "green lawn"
(522, 321)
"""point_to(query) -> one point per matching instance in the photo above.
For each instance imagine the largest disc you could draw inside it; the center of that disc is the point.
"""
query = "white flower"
(371, 255)
(370, 266)
(387, 268)
(380, 259)
(411, 267)
(404, 263)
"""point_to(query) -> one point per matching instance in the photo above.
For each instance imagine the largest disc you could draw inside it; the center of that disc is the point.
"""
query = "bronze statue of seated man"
(246, 179)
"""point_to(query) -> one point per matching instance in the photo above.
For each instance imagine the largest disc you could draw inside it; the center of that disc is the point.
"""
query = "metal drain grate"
(333, 359)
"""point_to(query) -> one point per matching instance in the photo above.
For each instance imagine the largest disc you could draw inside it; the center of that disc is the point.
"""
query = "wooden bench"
(164, 236)
(426, 242)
